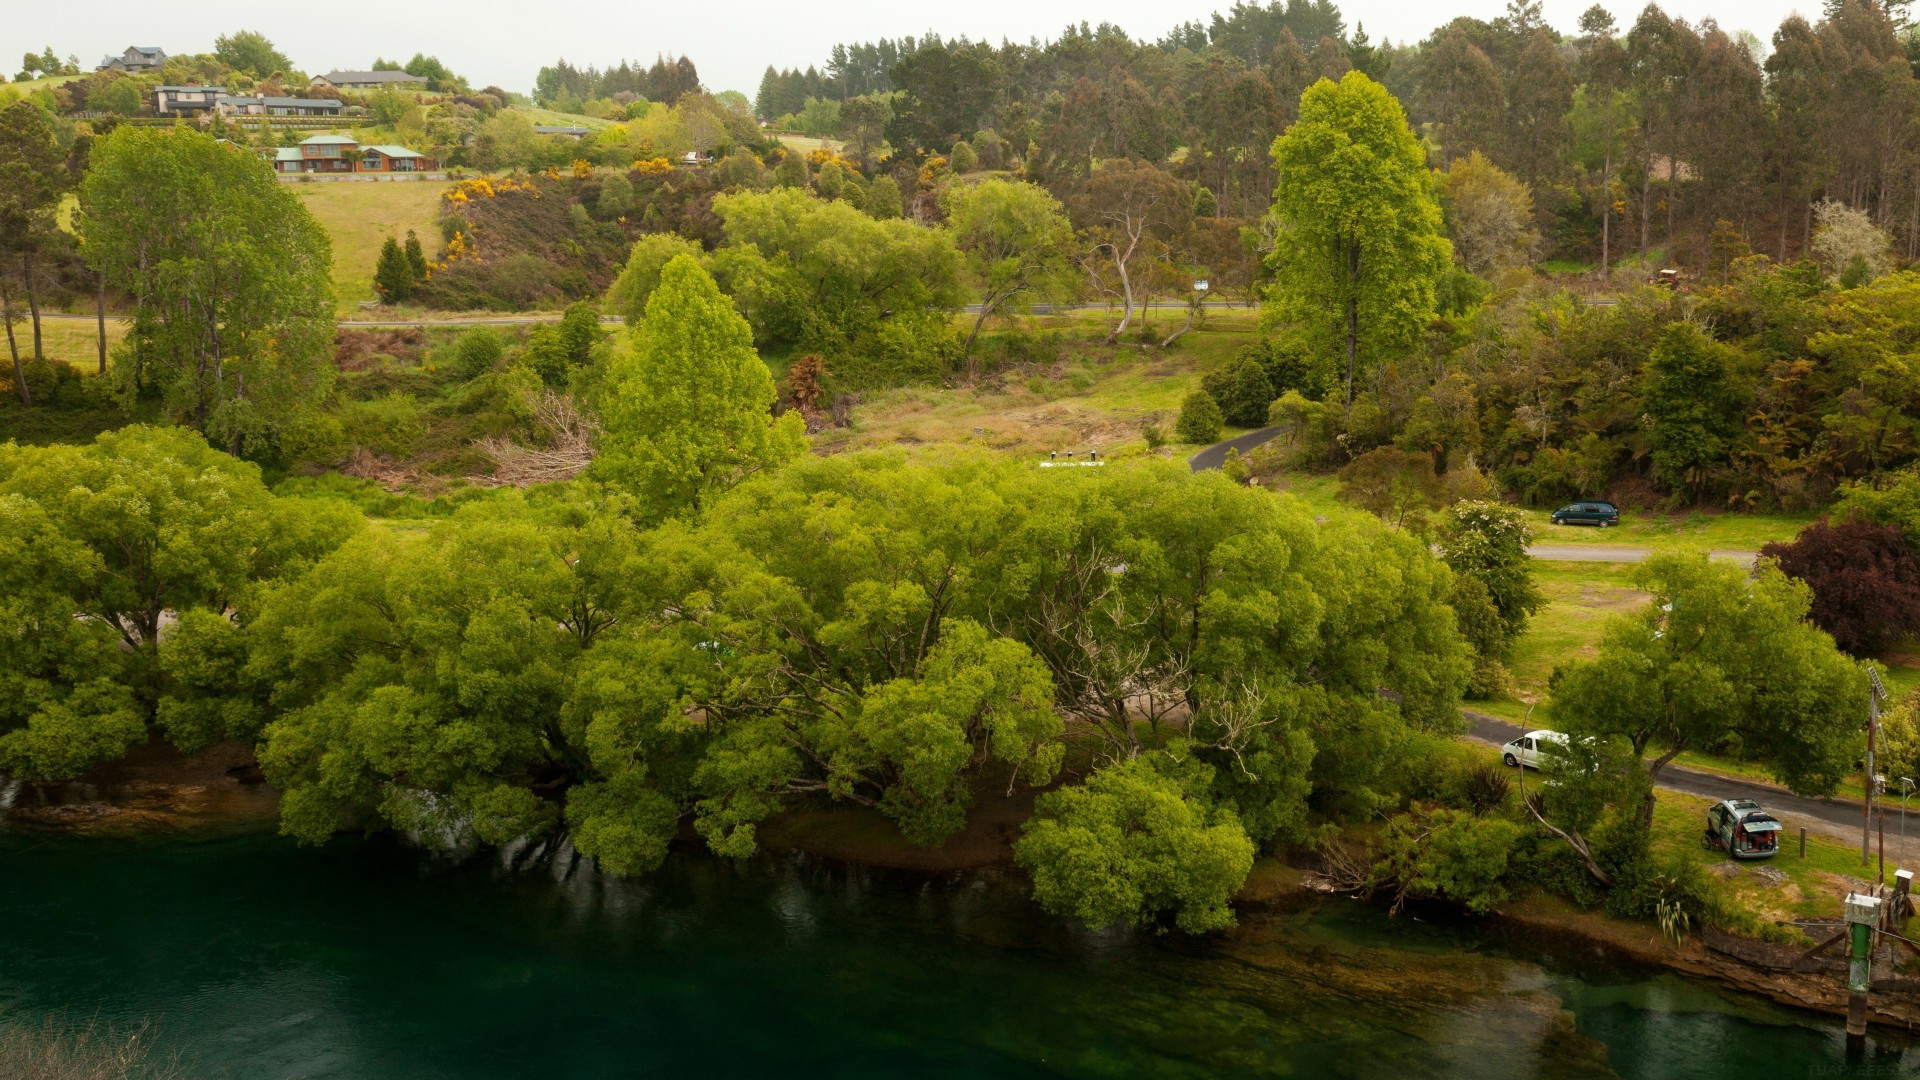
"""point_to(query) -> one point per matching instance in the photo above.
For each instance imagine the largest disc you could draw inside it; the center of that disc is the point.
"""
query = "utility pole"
(1875, 696)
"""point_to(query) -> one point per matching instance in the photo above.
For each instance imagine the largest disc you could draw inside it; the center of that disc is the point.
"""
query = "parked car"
(1742, 829)
(1603, 514)
(1525, 750)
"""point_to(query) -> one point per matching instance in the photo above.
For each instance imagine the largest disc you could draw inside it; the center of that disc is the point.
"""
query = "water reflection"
(365, 959)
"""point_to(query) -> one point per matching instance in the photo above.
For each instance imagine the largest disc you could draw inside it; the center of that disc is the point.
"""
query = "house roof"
(148, 50)
(560, 129)
(215, 89)
(395, 151)
(287, 153)
(373, 76)
(328, 140)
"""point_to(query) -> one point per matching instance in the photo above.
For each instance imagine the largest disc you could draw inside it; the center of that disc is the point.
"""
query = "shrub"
(387, 425)
(1448, 855)
(1243, 392)
(478, 350)
(963, 159)
(1200, 420)
(1156, 438)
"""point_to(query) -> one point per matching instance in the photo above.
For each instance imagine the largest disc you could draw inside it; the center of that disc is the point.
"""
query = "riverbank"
(157, 790)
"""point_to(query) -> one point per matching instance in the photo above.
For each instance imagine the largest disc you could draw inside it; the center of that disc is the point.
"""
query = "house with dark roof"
(232, 105)
(572, 131)
(136, 59)
(369, 80)
(186, 100)
(340, 154)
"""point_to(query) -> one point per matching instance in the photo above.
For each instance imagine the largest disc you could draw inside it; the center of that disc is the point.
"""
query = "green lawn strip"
(1693, 531)
(1812, 889)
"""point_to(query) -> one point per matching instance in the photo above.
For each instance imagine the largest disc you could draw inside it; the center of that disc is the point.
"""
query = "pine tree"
(416, 258)
(392, 275)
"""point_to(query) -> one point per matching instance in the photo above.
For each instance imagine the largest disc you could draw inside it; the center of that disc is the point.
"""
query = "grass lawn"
(1073, 393)
(1691, 531)
(360, 216)
(549, 118)
(70, 340)
(806, 144)
(1813, 887)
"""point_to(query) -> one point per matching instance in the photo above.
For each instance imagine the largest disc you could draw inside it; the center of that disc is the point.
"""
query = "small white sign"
(1200, 286)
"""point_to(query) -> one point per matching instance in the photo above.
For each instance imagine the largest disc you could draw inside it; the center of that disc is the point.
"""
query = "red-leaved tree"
(1865, 580)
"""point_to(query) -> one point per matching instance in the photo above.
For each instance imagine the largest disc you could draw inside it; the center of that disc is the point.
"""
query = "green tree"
(251, 53)
(1696, 409)
(478, 350)
(874, 298)
(1245, 394)
(1362, 242)
(230, 275)
(392, 274)
(1719, 660)
(687, 408)
(1134, 843)
(1015, 238)
(106, 544)
(1489, 541)
(616, 198)
(416, 258)
(962, 159)
(884, 201)
(1489, 214)
(33, 180)
(423, 680)
(1200, 419)
(120, 97)
(628, 295)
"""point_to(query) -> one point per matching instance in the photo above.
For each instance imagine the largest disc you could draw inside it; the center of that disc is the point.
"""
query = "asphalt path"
(1838, 818)
(1216, 455)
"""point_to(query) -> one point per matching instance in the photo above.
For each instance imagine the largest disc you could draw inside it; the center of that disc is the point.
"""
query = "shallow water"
(255, 958)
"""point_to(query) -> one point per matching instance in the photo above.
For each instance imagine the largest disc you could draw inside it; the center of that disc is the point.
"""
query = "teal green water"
(257, 959)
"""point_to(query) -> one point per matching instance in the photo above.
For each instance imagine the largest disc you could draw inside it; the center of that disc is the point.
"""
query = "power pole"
(1876, 694)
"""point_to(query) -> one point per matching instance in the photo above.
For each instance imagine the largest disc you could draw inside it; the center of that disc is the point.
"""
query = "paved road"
(1838, 818)
(1614, 553)
(1214, 456)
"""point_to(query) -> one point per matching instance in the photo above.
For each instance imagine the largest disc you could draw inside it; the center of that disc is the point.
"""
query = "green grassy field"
(73, 341)
(549, 118)
(360, 216)
(1691, 531)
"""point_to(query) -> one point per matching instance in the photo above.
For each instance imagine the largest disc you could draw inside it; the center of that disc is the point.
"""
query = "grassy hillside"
(359, 216)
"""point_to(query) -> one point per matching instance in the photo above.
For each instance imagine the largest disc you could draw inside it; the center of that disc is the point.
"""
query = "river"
(253, 958)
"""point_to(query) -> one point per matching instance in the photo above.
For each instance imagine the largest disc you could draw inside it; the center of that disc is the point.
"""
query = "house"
(137, 59)
(571, 131)
(370, 80)
(233, 105)
(329, 154)
(696, 158)
(186, 100)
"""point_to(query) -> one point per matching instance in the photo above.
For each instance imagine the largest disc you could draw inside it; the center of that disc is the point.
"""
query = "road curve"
(1838, 818)
(1216, 455)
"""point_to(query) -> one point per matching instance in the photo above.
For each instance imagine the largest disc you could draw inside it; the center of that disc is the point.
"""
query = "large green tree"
(1015, 238)
(32, 181)
(249, 52)
(687, 405)
(231, 278)
(1362, 243)
(125, 558)
(1722, 660)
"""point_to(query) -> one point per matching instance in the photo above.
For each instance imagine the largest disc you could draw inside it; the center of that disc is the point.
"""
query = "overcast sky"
(504, 42)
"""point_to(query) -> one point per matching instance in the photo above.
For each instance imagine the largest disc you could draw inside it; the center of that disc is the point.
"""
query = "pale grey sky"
(505, 42)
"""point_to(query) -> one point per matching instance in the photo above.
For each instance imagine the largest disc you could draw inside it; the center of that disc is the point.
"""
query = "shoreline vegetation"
(161, 792)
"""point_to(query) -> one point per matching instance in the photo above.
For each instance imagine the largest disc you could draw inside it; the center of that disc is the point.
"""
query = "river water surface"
(253, 958)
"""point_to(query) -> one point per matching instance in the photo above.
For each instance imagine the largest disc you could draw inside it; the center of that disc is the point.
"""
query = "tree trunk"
(1126, 294)
(33, 302)
(13, 347)
(1653, 777)
(100, 320)
(1193, 308)
(239, 394)
(1353, 317)
(1606, 198)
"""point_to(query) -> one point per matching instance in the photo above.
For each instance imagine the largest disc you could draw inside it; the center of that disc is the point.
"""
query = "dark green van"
(1603, 514)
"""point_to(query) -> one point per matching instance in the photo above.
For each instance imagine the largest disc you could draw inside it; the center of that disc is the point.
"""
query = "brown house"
(331, 154)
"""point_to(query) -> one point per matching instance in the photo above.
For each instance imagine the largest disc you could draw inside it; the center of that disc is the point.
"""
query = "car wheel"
(1511, 763)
